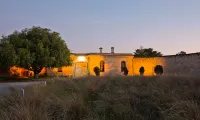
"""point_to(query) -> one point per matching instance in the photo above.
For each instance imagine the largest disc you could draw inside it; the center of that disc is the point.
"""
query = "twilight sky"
(168, 26)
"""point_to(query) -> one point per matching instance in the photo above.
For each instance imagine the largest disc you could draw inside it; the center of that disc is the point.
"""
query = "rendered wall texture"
(93, 61)
(148, 64)
(113, 64)
(183, 65)
(172, 65)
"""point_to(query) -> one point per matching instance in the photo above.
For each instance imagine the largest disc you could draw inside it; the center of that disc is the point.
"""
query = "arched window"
(123, 66)
(158, 70)
(102, 64)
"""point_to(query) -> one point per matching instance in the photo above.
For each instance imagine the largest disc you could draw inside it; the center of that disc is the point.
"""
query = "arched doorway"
(123, 66)
(80, 69)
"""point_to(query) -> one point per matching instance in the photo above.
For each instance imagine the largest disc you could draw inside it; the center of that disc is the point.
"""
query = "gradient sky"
(168, 26)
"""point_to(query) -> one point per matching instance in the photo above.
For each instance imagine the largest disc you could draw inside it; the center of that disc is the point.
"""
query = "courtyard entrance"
(80, 69)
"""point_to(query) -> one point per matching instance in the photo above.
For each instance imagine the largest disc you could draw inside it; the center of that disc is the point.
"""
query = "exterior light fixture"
(81, 59)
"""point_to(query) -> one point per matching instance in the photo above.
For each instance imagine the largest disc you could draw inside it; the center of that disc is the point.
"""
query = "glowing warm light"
(20, 72)
(81, 59)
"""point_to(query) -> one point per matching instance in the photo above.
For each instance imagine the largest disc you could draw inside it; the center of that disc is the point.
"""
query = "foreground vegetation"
(18, 79)
(109, 98)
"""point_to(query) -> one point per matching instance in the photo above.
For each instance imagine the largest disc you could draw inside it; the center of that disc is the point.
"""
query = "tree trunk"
(36, 71)
(35, 74)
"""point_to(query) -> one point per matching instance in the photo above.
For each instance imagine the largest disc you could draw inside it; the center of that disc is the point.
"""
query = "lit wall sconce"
(81, 59)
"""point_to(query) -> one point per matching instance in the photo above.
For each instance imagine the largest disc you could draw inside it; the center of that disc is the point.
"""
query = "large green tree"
(34, 48)
(146, 52)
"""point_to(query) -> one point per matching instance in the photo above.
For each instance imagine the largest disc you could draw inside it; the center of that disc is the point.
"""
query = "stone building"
(113, 64)
(109, 63)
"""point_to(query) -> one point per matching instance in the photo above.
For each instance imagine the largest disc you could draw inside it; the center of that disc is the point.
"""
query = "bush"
(158, 70)
(141, 70)
(125, 71)
(96, 70)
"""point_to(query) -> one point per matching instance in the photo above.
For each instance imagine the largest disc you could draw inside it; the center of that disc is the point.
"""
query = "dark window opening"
(158, 70)
(102, 64)
(123, 66)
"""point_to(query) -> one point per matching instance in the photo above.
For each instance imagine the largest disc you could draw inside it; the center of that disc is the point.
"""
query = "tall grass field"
(106, 98)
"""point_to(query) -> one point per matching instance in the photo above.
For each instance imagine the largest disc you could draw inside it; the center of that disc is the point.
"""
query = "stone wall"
(113, 64)
(183, 65)
(172, 65)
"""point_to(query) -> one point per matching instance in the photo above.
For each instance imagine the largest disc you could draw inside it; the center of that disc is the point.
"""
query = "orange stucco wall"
(148, 64)
(112, 65)
(94, 60)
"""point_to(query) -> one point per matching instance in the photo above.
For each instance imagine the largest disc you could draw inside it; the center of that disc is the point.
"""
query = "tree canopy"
(146, 52)
(34, 48)
(181, 53)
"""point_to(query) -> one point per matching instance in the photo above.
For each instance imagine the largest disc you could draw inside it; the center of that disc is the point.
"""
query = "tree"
(96, 71)
(141, 70)
(33, 49)
(158, 70)
(181, 53)
(125, 71)
(146, 52)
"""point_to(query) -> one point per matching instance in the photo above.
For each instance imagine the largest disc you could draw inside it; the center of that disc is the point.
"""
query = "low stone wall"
(183, 65)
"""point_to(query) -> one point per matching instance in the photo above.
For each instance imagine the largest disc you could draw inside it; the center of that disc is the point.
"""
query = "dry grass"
(108, 98)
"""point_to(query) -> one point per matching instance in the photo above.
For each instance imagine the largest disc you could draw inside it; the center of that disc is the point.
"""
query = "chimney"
(100, 49)
(112, 49)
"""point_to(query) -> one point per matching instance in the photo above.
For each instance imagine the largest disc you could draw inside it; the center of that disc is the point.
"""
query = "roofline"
(105, 54)
(181, 55)
(130, 54)
(189, 54)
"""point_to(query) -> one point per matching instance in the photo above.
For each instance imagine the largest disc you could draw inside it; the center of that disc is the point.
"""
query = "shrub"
(158, 70)
(96, 70)
(125, 71)
(141, 70)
